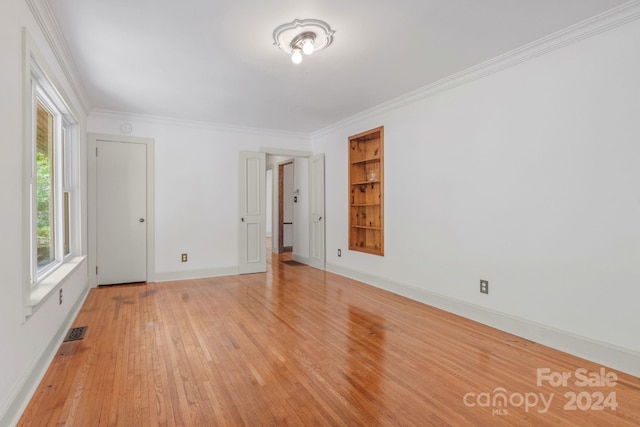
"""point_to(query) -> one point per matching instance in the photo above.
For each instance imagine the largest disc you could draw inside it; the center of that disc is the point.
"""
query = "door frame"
(92, 232)
(292, 154)
(281, 247)
(317, 210)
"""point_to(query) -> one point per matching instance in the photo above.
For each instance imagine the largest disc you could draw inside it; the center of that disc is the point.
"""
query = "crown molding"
(613, 18)
(45, 18)
(172, 121)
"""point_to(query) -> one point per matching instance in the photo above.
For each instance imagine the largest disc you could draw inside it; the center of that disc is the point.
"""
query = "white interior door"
(121, 202)
(316, 212)
(252, 213)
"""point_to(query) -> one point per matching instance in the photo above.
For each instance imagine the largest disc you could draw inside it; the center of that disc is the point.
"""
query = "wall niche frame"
(366, 192)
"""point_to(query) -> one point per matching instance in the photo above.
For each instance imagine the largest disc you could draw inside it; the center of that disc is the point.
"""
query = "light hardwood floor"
(299, 346)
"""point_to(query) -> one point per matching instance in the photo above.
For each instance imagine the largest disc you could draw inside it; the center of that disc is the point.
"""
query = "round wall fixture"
(126, 127)
(302, 36)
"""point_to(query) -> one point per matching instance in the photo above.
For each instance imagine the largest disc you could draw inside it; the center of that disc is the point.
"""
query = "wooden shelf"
(359, 162)
(366, 187)
(366, 182)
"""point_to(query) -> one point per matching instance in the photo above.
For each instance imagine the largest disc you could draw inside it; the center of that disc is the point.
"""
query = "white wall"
(27, 347)
(196, 184)
(528, 178)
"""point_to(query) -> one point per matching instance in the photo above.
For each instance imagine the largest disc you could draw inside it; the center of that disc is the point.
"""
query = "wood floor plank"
(298, 346)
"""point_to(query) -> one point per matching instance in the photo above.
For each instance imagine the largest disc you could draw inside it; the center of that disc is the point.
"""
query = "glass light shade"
(307, 46)
(296, 56)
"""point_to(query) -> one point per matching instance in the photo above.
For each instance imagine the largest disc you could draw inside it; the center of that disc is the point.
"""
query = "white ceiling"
(214, 60)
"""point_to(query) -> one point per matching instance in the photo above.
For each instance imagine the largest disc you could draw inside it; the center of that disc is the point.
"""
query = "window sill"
(40, 293)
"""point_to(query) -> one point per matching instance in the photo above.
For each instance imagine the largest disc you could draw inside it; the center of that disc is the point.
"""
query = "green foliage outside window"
(45, 208)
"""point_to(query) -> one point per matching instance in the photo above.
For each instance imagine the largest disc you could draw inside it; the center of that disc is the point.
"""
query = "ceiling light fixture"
(307, 46)
(302, 43)
(296, 56)
(302, 36)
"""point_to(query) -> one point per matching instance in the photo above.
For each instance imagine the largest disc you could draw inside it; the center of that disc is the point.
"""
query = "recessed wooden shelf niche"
(366, 192)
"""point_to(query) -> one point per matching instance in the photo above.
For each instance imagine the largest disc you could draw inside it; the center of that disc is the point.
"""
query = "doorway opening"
(307, 235)
(280, 207)
(286, 199)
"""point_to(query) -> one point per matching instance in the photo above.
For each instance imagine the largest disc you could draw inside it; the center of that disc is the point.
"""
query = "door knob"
(320, 219)
(141, 220)
(242, 219)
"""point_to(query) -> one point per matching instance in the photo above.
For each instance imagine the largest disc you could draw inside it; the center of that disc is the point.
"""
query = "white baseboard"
(28, 383)
(213, 272)
(622, 359)
(300, 258)
(196, 274)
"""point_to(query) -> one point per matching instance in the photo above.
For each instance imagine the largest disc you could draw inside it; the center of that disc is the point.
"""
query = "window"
(45, 191)
(53, 183)
(52, 190)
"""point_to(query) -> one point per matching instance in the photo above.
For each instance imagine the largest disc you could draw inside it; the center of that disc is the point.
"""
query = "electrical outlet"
(184, 257)
(60, 296)
(339, 252)
(484, 286)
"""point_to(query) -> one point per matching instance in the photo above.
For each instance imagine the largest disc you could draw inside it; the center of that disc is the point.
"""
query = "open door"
(316, 212)
(252, 257)
(285, 207)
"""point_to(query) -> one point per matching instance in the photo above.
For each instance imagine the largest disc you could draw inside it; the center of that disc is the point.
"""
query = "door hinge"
(96, 151)
(96, 270)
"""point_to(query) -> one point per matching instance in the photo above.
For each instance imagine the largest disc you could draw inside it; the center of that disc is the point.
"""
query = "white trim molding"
(622, 359)
(36, 72)
(44, 16)
(301, 259)
(285, 152)
(605, 21)
(192, 124)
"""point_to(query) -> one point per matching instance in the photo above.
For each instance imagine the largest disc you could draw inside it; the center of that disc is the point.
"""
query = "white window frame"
(38, 86)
